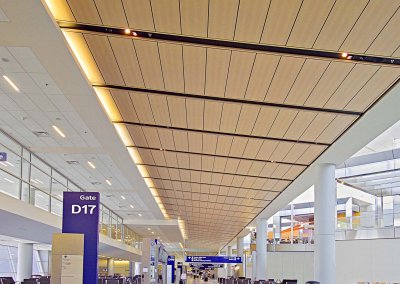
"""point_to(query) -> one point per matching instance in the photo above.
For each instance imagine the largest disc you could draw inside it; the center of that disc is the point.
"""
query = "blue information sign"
(81, 216)
(171, 261)
(3, 156)
(213, 259)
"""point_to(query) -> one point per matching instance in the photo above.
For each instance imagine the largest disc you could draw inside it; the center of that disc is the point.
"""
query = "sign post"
(81, 216)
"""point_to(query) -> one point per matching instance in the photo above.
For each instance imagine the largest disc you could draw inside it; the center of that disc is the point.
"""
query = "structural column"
(110, 267)
(25, 259)
(240, 253)
(228, 265)
(261, 255)
(325, 218)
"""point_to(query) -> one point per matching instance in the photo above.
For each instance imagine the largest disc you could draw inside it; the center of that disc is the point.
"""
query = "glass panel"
(56, 206)
(42, 200)
(12, 165)
(59, 178)
(26, 168)
(26, 154)
(57, 189)
(73, 187)
(10, 144)
(40, 180)
(25, 196)
(9, 184)
(40, 165)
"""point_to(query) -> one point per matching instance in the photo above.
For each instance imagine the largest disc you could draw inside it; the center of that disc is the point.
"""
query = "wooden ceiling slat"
(251, 17)
(240, 67)
(159, 108)
(229, 117)
(282, 123)
(369, 25)
(357, 78)
(310, 19)
(217, 67)
(127, 60)
(85, 11)
(339, 23)
(286, 74)
(299, 125)
(111, 13)
(194, 66)
(149, 60)
(124, 105)
(104, 57)
(195, 110)
(222, 18)
(177, 110)
(374, 88)
(142, 18)
(172, 66)
(281, 17)
(308, 78)
(194, 17)
(166, 16)
(143, 108)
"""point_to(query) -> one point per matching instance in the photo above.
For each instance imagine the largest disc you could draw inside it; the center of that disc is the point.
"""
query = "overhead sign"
(3, 156)
(81, 216)
(213, 259)
(206, 265)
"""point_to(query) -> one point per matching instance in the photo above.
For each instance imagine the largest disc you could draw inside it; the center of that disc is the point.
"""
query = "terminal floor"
(190, 280)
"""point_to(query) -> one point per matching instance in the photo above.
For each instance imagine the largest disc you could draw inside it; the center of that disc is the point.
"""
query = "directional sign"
(206, 265)
(213, 259)
(3, 156)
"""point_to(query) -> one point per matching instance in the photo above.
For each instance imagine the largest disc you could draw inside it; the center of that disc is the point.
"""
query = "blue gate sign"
(3, 156)
(81, 216)
(213, 259)
(171, 269)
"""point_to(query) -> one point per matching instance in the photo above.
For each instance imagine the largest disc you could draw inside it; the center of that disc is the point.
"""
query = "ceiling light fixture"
(59, 131)
(8, 163)
(91, 164)
(131, 206)
(152, 233)
(344, 54)
(108, 182)
(127, 31)
(11, 83)
(134, 33)
(123, 197)
(140, 215)
(149, 229)
(10, 181)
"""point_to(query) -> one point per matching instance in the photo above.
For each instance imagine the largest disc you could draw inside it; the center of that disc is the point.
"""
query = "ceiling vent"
(41, 133)
(72, 162)
(95, 182)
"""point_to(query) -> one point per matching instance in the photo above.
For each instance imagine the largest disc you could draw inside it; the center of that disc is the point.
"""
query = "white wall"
(358, 260)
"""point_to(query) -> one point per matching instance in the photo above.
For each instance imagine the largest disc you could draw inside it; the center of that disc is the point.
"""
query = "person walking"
(183, 277)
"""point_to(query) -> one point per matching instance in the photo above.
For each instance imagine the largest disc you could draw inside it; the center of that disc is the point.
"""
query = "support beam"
(25, 260)
(261, 255)
(219, 133)
(325, 224)
(217, 156)
(228, 100)
(288, 51)
(213, 172)
(240, 253)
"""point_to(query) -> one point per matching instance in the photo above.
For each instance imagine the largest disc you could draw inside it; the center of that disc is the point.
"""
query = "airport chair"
(289, 281)
(312, 282)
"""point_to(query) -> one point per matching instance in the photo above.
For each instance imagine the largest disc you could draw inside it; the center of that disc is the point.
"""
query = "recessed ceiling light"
(91, 164)
(59, 131)
(108, 182)
(134, 33)
(10, 181)
(123, 197)
(127, 31)
(152, 233)
(149, 229)
(11, 83)
(344, 54)
(131, 206)
(140, 215)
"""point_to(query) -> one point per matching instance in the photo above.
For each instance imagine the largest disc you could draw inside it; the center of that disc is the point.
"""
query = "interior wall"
(121, 267)
(357, 260)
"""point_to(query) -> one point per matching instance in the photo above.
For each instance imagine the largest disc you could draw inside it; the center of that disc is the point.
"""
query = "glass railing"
(25, 176)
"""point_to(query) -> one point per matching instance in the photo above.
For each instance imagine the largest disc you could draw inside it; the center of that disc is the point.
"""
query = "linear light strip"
(11, 83)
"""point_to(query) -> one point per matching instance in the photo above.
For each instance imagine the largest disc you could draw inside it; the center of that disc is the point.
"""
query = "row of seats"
(269, 281)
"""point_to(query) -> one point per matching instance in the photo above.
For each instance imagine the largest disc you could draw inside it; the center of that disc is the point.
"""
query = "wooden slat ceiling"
(216, 164)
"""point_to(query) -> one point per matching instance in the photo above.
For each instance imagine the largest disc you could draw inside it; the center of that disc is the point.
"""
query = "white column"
(138, 270)
(228, 265)
(253, 265)
(110, 266)
(325, 215)
(261, 261)
(240, 253)
(25, 259)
